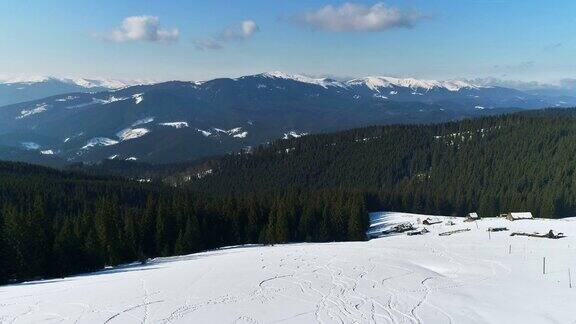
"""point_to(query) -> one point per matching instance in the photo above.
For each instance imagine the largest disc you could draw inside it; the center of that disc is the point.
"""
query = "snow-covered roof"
(521, 215)
(473, 215)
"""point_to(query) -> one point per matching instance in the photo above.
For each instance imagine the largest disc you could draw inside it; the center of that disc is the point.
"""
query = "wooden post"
(489, 236)
(510, 249)
(544, 265)
(569, 279)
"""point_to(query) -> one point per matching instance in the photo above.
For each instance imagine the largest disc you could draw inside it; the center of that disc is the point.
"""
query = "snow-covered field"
(468, 277)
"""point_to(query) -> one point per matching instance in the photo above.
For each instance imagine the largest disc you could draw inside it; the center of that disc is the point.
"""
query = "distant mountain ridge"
(21, 89)
(82, 82)
(181, 120)
(377, 82)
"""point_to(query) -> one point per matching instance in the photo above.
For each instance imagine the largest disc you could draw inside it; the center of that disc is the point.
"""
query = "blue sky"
(518, 40)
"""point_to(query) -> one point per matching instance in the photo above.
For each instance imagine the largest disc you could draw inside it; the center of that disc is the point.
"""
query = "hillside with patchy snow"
(474, 276)
(21, 89)
(195, 119)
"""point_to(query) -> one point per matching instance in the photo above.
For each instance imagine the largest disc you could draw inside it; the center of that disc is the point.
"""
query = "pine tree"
(5, 259)
(357, 222)
(281, 224)
(325, 235)
(107, 230)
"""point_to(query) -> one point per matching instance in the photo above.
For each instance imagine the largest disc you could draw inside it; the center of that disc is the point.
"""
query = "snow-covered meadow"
(468, 277)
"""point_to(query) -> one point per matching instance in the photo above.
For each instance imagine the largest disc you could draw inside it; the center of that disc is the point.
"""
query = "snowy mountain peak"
(102, 83)
(376, 82)
(372, 82)
(323, 82)
(24, 79)
(87, 83)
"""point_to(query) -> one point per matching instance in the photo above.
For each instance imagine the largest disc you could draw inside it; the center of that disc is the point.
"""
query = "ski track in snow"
(462, 278)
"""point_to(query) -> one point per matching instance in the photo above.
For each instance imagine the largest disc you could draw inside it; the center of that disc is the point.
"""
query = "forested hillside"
(523, 161)
(54, 223)
(314, 188)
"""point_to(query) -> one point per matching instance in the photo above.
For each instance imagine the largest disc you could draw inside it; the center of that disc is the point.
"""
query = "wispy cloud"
(141, 29)
(236, 32)
(553, 46)
(207, 44)
(568, 83)
(515, 68)
(351, 17)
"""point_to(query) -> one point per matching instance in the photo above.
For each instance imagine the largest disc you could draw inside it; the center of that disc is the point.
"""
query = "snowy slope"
(102, 83)
(464, 278)
(323, 82)
(25, 88)
(375, 83)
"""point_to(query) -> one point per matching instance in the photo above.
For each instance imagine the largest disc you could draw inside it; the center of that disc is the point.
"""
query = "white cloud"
(143, 29)
(242, 30)
(351, 17)
(237, 32)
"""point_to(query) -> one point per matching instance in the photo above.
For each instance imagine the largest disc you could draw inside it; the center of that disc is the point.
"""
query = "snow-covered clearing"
(132, 133)
(99, 141)
(177, 125)
(293, 134)
(40, 108)
(109, 100)
(469, 277)
(241, 135)
(138, 98)
(30, 145)
(143, 121)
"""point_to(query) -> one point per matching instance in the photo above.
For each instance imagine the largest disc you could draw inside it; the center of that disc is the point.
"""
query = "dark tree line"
(54, 224)
(523, 161)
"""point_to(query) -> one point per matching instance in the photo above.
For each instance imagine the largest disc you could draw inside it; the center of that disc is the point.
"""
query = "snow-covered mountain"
(377, 83)
(21, 89)
(177, 120)
(323, 82)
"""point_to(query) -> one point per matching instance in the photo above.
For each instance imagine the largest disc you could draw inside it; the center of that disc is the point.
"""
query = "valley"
(320, 161)
(180, 121)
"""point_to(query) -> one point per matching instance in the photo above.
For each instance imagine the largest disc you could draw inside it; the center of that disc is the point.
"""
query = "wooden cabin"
(471, 217)
(512, 216)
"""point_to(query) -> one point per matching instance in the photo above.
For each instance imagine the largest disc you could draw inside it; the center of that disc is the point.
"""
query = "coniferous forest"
(522, 161)
(58, 223)
(315, 188)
